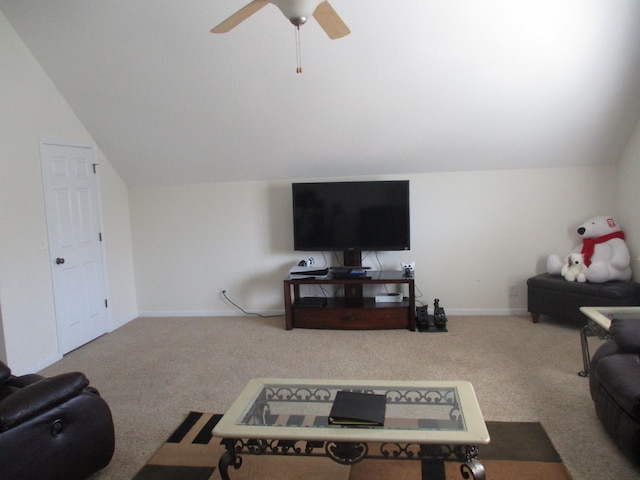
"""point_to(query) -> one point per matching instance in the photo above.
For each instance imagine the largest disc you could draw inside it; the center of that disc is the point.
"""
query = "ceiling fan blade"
(240, 16)
(330, 21)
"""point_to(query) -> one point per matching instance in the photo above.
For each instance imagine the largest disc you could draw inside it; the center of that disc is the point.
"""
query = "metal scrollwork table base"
(434, 422)
(348, 453)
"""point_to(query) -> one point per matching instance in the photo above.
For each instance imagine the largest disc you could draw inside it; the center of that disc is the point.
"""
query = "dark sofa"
(615, 385)
(56, 428)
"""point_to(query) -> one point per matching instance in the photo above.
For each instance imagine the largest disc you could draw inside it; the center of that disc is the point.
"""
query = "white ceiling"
(418, 86)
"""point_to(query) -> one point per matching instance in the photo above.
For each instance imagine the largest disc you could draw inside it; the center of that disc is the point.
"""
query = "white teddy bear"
(605, 252)
(574, 270)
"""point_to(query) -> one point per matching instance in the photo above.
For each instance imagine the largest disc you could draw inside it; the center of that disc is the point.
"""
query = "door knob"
(59, 261)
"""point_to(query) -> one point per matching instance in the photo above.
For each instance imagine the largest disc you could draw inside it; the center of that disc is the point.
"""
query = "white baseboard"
(123, 322)
(235, 313)
(205, 313)
(500, 312)
(41, 365)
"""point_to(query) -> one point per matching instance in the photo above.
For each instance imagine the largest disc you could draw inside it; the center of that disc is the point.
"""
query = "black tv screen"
(351, 216)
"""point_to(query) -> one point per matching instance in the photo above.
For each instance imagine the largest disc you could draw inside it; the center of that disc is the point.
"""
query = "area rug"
(519, 450)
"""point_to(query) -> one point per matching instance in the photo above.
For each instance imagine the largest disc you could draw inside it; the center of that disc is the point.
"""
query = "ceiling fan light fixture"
(297, 21)
(297, 11)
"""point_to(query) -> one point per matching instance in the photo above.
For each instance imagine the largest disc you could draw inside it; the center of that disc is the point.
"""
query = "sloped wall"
(31, 108)
(629, 198)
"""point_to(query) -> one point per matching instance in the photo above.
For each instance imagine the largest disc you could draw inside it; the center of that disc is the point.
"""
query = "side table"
(598, 324)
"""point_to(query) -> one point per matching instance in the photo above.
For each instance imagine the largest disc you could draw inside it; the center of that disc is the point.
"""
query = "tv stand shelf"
(353, 311)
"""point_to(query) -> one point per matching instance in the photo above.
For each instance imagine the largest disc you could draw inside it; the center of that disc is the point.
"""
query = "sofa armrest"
(39, 397)
(626, 333)
(23, 380)
(5, 372)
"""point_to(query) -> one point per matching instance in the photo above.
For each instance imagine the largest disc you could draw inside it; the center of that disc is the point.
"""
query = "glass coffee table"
(425, 420)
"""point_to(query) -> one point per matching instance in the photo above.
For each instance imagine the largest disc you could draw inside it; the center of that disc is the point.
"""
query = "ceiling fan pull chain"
(298, 51)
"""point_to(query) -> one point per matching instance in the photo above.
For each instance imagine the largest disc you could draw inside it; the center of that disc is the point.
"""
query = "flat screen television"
(351, 216)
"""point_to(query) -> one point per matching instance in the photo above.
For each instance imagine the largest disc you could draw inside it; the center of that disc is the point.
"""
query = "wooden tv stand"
(353, 311)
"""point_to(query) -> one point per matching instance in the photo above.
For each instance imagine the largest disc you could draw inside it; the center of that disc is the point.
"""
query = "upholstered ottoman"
(554, 296)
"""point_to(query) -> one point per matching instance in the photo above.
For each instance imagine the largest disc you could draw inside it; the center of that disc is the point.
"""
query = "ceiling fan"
(297, 11)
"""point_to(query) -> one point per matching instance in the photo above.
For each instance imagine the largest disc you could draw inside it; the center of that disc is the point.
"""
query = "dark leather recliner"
(614, 382)
(56, 428)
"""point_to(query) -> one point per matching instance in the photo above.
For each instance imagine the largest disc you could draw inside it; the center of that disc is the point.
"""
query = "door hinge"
(100, 236)
(106, 303)
(94, 165)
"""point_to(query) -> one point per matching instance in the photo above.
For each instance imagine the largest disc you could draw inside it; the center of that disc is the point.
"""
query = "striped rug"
(519, 450)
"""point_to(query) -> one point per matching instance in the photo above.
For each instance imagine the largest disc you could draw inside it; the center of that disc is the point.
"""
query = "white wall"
(473, 235)
(32, 107)
(118, 246)
(629, 198)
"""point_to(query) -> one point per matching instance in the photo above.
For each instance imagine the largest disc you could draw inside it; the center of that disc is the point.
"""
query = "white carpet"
(153, 370)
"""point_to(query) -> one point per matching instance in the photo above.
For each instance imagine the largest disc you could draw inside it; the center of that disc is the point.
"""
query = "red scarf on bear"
(589, 245)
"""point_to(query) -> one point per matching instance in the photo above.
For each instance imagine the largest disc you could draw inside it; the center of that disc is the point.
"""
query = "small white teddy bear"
(575, 270)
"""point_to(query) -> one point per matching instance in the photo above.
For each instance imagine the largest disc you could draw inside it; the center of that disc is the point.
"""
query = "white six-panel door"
(75, 243)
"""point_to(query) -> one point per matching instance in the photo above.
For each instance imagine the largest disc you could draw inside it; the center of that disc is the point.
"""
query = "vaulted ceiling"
(418, 86)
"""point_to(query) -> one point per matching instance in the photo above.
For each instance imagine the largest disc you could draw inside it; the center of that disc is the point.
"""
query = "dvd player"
(311, 302)
(344, 273)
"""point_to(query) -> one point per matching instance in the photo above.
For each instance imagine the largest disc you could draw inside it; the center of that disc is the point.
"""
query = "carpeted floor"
(152, 371)
(519, 450)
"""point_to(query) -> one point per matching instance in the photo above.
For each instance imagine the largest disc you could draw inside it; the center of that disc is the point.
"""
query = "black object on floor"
(431, 323)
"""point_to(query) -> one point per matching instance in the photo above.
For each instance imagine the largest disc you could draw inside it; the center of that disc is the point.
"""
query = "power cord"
(224, 294)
